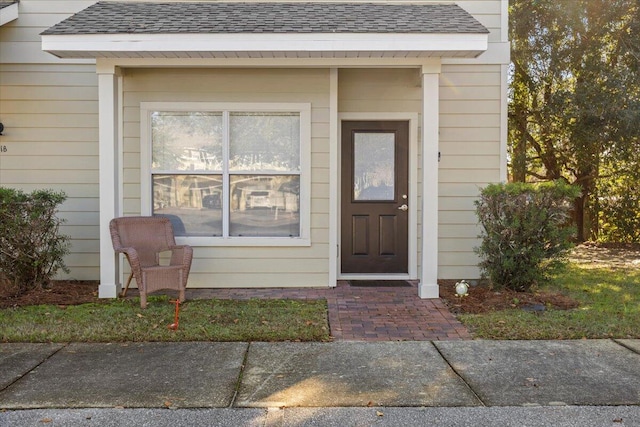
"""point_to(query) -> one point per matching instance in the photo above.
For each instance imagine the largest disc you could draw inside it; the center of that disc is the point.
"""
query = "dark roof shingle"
(6, 3)
(301, 17)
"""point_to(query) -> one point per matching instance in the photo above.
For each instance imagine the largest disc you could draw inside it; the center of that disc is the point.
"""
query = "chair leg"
(143, 300)
(124, 292)
(182, 288)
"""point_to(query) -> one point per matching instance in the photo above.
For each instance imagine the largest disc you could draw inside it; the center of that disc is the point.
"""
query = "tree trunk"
(519, 162)
(578, 218)
(585, 216)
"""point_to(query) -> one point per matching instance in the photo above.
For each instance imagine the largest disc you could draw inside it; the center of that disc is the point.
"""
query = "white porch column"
(109, 178)
(334, 170)
(430, 128)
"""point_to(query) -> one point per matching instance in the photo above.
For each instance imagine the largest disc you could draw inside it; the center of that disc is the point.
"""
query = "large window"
(228, 172)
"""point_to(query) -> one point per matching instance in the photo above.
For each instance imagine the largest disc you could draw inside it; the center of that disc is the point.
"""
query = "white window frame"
(304, 109)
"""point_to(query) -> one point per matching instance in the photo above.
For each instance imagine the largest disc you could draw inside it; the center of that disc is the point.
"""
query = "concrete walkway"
(345, 383)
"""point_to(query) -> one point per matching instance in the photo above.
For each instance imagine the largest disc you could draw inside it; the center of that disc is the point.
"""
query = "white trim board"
(265, 45)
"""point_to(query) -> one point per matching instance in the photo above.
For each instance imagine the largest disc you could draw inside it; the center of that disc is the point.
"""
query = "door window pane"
(186, 141)
(264, 206)
(374, 166)
(192, 202)
(264, 142)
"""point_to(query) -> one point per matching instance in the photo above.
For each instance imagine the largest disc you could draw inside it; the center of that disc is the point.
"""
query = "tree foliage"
(574, 109)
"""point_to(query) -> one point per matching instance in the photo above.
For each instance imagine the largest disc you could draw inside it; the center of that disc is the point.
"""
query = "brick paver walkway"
(366, 314)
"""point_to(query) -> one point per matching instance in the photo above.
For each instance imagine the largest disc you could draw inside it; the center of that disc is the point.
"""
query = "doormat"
(380, 284)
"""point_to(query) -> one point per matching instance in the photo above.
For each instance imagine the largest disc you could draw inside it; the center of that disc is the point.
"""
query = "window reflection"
(192, 202)
(374, 166)
(187, 141)
(264, 142)
(265, 206)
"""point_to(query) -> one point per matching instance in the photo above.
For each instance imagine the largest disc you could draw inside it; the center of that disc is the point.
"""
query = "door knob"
(403, 208)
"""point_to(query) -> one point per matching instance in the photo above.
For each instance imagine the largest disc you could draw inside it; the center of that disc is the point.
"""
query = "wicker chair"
(142, 239)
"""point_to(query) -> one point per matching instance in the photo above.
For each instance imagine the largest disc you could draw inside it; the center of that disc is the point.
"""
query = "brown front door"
(374, 202)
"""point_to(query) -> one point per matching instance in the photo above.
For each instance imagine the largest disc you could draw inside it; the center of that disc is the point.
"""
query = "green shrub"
(618, 206)
(526, 231)
(32, 249)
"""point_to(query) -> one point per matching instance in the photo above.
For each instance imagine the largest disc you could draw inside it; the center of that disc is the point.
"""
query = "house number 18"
(3, 148)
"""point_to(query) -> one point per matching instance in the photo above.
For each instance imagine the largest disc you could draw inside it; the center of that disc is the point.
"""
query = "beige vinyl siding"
(50, 117)
(220, 266)
(470, 149)
(50, 111)
(20, 39)
(379, 90)
(469, 143)
(489, 13)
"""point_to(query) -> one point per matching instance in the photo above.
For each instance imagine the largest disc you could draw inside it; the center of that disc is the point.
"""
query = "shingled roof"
(7, 3)
(303, 17)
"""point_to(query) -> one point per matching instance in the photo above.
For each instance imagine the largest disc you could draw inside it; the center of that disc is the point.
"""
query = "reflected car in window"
(258, 199)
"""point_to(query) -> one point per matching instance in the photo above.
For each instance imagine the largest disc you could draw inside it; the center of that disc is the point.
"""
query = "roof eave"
(266, 45)
(8, 13)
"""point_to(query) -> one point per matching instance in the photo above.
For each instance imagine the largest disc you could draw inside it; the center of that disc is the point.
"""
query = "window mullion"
(226, 186)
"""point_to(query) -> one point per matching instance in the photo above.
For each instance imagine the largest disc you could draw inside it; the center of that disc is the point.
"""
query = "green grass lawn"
(200, 320)
(609, 308)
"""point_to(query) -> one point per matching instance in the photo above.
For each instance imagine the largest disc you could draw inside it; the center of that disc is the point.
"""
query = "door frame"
(412, 238)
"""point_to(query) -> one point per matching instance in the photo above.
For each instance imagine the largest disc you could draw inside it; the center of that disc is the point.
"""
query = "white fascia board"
(298, 42)
(497, 53)
(8, 14)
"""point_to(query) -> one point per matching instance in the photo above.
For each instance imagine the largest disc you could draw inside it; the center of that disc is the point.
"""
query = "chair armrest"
(130, 252)
(181, 255)
(132, 257)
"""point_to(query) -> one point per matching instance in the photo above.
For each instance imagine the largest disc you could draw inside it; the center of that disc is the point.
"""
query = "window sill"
(243, 241)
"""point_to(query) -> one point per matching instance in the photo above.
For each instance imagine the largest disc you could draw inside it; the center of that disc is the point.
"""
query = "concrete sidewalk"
(586, 382)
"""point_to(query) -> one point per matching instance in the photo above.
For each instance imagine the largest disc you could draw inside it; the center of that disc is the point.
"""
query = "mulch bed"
(482, 299)
(60, 292)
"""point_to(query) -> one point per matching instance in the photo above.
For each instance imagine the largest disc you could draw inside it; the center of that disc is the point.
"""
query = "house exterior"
(292, 144)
